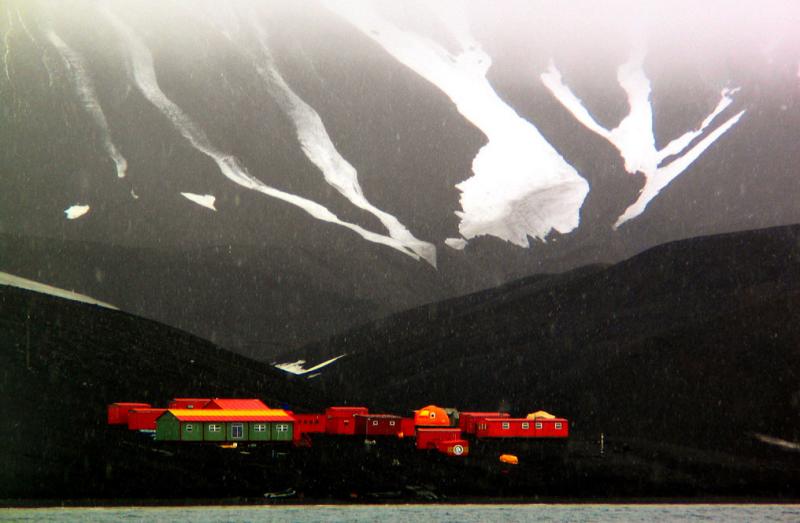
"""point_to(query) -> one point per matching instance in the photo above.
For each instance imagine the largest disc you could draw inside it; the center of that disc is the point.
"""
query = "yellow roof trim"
(222, 413)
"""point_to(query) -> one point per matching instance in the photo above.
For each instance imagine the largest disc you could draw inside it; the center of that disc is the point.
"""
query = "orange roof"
(231, 415)
(431, 415)
(236, 404)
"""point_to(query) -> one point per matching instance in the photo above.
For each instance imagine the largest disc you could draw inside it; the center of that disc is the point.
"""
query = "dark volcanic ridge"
(694, 343)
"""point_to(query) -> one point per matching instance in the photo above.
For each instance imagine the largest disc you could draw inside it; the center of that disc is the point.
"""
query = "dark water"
(416, 513)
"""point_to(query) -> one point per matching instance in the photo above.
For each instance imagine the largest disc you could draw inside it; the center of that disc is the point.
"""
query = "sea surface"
(415, 513)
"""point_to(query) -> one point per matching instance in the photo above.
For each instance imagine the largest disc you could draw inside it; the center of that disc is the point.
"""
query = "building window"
(375, 423)
(391, 423)
(432, 415)
(558, 426)
(260, 428)
(215, 428)
(188, 428)
(282, 428)
(526, 425)
(237, 431)
(506, 425)
(538, 425)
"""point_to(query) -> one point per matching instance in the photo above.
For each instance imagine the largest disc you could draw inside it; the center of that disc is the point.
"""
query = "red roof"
(236, 404)
(231, 415)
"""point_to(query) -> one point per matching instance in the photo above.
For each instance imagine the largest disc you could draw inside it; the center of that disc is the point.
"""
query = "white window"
(432, 415)
(237, 430)
(506, 425)
(558, 426)
(526, 425)
(538, 424)
(282, 428)
(391, 423)
(215, 428)
(260, 428)
(375, 423)
(188, 428)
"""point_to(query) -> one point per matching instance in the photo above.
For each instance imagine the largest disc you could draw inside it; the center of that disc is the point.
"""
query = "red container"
(467, 421)
(522, 428)
(144, 419)
(118, 412)
(456, 447)
(427, 438)
(378, 424)
(188, 403)
(341, 420)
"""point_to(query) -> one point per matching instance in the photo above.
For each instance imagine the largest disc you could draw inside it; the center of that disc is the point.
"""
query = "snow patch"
(521, 186)
(144, 76)
(634, 137)
(297, 366)
(206, 200)
(31, 285)
(456, 243)
(76, 211)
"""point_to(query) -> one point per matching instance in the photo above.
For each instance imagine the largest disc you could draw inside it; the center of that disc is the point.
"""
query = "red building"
(236, 404)
(378, 424)
(309, 424)
(428, 437)
(408, 427)
(188, 403)
(144, 419)
(522, 428)
(118, 412)
(467, 421)
(341, 420)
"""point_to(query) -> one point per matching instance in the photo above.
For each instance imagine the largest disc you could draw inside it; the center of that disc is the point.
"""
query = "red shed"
(341, 420)
(378, 424)
(236, 404)
(188, 403)
(144, 419)
(428, 437)
(467, 421)
(118, 412)
(522, 428)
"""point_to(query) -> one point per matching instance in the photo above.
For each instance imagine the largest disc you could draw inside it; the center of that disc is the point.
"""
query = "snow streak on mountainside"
(86, 93)
(24, 283)
(205, 200)
(634, 138)
(297, 366)
(144, 76)
(315, 141)
(521, 186)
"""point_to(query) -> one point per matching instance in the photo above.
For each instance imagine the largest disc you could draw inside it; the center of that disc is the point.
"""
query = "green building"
(225, 426)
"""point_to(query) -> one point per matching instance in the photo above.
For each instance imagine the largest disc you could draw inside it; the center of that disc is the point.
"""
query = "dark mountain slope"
(661, 346)
(63, 362)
